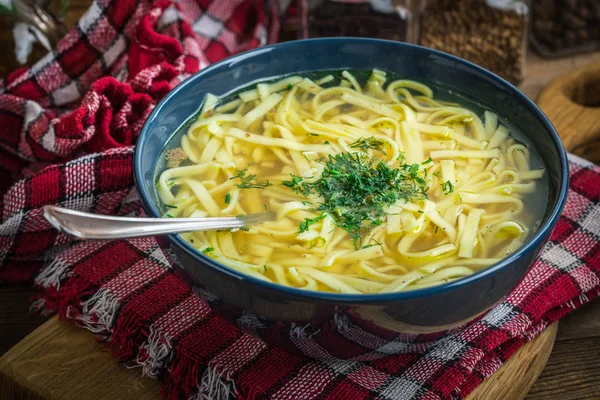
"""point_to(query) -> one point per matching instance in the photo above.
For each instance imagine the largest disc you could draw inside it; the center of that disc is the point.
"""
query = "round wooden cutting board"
(572, 102)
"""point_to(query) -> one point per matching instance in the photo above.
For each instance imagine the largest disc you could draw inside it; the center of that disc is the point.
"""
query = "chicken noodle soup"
(377, 186)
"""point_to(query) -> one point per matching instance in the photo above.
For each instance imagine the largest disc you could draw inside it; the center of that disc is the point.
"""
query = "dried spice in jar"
(386, 19)
(490, 33)
(565, 27)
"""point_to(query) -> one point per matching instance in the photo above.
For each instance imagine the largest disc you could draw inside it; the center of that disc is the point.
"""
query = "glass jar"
(384, 19)
(565, 27)
(37, 25)
(490, 33)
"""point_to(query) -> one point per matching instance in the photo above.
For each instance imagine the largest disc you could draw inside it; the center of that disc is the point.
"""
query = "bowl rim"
(534, 241)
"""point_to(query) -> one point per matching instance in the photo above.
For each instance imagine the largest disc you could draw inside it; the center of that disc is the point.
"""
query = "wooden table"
(573, 370)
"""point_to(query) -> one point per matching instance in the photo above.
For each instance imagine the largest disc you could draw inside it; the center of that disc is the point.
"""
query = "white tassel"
(54, 274)
(214, 386)
(159, 350)
(99, 312)
(248, 322)
(40, 306)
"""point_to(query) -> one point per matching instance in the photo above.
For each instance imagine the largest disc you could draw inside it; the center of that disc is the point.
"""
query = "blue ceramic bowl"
(280, 315)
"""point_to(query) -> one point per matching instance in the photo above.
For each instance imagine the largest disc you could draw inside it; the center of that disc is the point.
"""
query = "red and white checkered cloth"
(67, 126)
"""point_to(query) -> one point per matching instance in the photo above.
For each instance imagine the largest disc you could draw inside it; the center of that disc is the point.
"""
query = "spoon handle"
(84, 225)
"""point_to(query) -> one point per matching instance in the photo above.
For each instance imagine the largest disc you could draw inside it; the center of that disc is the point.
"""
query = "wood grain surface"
(62, 361)
(572, 102)
(89, 372)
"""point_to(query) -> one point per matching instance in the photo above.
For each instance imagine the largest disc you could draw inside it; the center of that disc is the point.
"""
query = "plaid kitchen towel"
(67, 126)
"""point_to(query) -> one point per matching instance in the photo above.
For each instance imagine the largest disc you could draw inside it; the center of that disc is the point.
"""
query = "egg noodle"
(449, 199)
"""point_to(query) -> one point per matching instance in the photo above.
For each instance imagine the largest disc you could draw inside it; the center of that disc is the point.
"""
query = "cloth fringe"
(215, 385)
(98, 313)
(155, 353)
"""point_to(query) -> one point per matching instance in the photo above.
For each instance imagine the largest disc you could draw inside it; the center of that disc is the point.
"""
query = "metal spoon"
(84, 225)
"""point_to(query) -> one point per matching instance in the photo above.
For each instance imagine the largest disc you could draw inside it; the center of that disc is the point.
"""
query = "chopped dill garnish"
(208, 250)
(377, 243)
(356, 190)
(429, 160)
(170, 183)
(308, 222)
(228, 198)
(447, 187)
(244, 229)
(326, 142)
(170, 206)
(265, 267)
(191, 240)
(169, 216)
(297, 185)
(368, 143)
(248, 181)
(312, 134)
(289, 87)
(438, 174)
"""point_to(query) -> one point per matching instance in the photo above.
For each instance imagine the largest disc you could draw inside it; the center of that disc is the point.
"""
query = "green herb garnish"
(356, 190)
(429, 160)
(248, 181)
(377, 243)
(297, 185)
(208, 250)
(368, 143)
(308, 222)
(170, 206)
(170, 183)
(289, 87)
(169, 216)
(447, 187)
(228, 198)
(437, 174)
